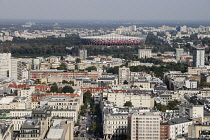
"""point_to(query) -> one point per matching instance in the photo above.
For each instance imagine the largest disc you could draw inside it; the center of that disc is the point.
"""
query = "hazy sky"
(106, 9)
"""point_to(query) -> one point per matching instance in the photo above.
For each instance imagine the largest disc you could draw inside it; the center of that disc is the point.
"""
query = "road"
(85, 129)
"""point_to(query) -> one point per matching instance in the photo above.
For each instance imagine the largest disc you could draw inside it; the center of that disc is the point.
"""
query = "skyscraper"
(179, 53)
(198, 57)
(83, 54)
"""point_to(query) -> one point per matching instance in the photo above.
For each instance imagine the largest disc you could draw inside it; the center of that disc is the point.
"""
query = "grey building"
(198, 57)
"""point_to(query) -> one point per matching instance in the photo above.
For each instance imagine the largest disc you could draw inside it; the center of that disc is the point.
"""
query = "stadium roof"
(112, 35)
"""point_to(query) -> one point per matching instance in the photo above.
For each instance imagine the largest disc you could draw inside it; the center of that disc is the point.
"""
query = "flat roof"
(6, 100)
(55, 133)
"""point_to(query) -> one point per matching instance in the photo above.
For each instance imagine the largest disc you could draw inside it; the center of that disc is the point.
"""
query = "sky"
(105, 9)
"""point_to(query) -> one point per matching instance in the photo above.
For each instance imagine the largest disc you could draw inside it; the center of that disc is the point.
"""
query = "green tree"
(91, 68)
(62, 67)
(78, 60)
(128, 104)
(67, 89)
(54, 88)
(125, 82)
(161, 107)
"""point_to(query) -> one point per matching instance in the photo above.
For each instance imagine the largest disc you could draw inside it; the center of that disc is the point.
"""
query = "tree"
(87, 97)
(161, 107)
(128, 104)
(125, 82)
(67, 89)
(78, 60)
(91, 68)
(65, 82)
(62, 67)
(54, 88)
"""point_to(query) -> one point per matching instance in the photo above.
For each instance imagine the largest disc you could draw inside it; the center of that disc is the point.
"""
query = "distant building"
(144, 53)
(35, 64)
(83, 54)
(198, 57)
(179, 53)
(124, 75)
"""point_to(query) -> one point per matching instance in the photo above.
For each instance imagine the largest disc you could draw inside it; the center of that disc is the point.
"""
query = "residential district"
(101, 97)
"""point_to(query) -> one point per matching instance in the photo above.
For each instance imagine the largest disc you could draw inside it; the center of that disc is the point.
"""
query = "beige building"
(14, 103)
(137, 99)
(145, 126)
(197, 130)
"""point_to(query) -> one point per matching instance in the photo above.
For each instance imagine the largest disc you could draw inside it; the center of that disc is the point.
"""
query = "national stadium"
(113, 39)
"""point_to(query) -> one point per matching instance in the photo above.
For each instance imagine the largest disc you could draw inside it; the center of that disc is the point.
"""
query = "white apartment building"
(191, 84)
(198, 57)
(115, 120)
(20, 113)
(144, 53)
(137, 99)
(193, 111)
(124, 75)
(5, 62)
(145, 126)
(179, 127)
(65, 113)
(83, 54)
(14, 103)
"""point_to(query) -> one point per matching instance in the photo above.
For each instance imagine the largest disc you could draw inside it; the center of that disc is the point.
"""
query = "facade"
(198, 57)
(124, 75)
(144, 53)
(39, 74)
(137, 99)
(83, 54)
(145, 126)
(164, 131)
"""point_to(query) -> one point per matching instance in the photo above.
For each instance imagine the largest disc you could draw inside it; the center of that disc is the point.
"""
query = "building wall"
(164, 131)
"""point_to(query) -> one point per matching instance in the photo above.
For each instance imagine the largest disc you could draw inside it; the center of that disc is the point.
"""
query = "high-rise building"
(124, 75)
(83, 54)
(145, 126)
(179, 53)
(16, 69)
(5, 63)
(198, 57)
(144, 53)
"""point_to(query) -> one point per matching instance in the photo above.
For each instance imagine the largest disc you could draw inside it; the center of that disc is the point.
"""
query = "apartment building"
(137, 99)
(145, 126)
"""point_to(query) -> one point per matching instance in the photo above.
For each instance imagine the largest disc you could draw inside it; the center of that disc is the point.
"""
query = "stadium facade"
(113, 39)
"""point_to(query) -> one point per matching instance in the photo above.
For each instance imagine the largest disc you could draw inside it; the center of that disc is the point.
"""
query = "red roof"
(14, 85)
